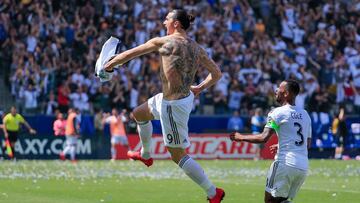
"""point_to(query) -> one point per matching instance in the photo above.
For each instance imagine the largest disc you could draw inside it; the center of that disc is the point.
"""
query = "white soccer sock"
(72, 152)
(145, 130)
(113, 152)
(197, 174)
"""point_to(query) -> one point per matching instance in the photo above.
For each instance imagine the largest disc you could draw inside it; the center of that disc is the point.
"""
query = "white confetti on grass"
(41, 170)
(97, 170)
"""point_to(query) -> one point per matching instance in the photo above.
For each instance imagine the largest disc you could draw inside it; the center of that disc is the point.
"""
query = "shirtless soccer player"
(293, 128)
(180, 58)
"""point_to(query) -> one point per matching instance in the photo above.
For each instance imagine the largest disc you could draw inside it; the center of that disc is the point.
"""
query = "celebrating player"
(180, 58)
(293, 128)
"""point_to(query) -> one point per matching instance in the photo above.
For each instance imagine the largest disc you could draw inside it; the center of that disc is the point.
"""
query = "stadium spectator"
(79, 100)
(208, 103)
(317, 43)
(59, 125)
(77, 77)
(235, 96)
(357, 99)
(220, 102)
(30, 96)
(300, 100)
(101, 100)
(235, 123)
(257, 123)
(98, 117)
(99, 127)
(51, 104)
(63, 97)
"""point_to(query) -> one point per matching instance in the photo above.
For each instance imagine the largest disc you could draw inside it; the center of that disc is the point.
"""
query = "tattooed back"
(180, 59)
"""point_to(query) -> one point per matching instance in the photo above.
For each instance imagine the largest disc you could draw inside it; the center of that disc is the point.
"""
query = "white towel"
(109, 49)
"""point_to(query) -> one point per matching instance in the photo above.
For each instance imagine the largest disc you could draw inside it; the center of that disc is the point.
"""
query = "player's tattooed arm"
(214, 73)
(149, 46)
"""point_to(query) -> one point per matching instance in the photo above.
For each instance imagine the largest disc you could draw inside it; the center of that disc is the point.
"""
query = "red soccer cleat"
(62, 156)
(137, 156)
(220, 194)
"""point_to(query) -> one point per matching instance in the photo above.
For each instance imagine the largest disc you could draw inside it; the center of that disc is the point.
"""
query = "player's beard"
(279, 99)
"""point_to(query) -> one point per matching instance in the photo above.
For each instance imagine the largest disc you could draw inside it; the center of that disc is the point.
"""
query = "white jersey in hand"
(109, 50)
(293, 127)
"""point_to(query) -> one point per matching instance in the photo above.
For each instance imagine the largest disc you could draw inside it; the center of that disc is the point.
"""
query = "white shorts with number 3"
(284, 181)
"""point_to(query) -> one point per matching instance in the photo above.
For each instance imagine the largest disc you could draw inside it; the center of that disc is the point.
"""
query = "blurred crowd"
(49, 49)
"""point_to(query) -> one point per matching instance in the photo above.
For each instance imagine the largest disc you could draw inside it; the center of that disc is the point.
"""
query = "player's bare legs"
(196, 173)
(176, 154)
(143, 117)
(142, 113)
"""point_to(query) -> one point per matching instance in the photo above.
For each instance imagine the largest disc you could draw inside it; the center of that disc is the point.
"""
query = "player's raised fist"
(108, 67)
(234, 136)
(274, 148)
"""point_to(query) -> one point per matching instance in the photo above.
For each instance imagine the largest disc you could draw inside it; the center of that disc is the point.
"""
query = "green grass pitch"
(128, 181)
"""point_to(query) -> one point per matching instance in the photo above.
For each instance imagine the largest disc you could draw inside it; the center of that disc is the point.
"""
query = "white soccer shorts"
(284, 181)
(71, 140)
(174, 117)
(116, 139)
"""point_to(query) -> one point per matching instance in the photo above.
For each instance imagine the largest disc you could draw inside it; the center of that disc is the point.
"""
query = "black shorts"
(339, 140)
(13, 135)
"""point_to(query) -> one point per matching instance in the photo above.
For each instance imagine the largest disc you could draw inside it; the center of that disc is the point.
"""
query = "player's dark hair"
(293, 86)
(185, 19)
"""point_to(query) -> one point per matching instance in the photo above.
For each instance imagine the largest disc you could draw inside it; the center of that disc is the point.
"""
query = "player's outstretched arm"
(214, 73)
(149, 46)
(257, 138)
